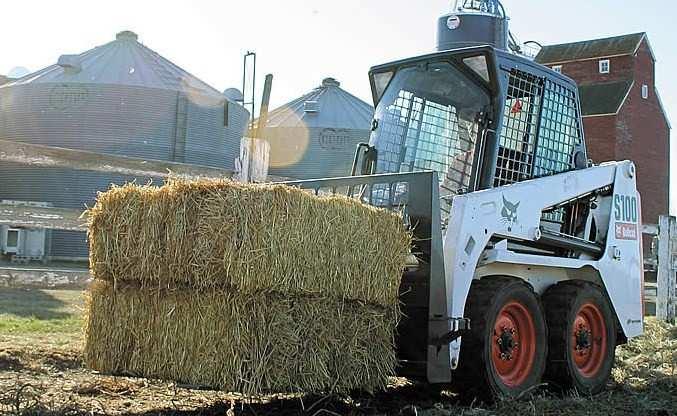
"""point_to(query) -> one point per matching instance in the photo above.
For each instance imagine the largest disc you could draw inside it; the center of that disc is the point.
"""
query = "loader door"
(430, 118)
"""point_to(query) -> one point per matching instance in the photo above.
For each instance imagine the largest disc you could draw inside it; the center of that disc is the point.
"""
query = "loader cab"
(480, 117)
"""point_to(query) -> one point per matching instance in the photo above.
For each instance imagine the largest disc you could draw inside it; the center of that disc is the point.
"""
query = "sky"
(303, 41)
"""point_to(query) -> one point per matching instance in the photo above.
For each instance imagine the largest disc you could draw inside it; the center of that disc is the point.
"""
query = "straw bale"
(212, 234)
(247, 343)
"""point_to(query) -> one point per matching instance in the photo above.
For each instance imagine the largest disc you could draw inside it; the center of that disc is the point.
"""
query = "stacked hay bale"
(248, 288)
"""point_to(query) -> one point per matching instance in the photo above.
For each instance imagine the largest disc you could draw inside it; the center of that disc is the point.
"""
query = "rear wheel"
(504, 353)
(582, 340)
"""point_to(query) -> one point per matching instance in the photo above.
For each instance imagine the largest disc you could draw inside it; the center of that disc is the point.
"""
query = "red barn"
(623, 115)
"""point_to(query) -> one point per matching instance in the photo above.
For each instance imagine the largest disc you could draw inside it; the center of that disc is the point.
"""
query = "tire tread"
(471, 378)
(558, 302)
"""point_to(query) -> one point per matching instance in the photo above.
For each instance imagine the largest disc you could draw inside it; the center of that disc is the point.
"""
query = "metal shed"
(316, 135)
(121, 98)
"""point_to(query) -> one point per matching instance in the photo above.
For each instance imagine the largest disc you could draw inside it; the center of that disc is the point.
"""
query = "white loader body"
(479, 216)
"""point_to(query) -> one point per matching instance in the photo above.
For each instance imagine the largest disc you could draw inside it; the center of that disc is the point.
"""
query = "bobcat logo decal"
(509, 211)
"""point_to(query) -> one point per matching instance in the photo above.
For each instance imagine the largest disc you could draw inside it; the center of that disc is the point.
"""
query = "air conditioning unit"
(12, 239)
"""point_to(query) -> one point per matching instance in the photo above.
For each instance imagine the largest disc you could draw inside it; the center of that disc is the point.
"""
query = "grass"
(40, 312)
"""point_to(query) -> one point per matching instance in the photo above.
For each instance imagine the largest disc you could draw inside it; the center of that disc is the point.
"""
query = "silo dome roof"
(124, 61)
(327, 106)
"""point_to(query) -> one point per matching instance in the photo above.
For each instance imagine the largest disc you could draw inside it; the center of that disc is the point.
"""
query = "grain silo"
(121, 98)
(316, 135)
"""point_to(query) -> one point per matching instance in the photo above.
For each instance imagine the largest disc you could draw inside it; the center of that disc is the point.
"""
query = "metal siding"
(64, 188)
(68, 244)
(317, 159)
(114, 119)
(119, 120)
(208, 141)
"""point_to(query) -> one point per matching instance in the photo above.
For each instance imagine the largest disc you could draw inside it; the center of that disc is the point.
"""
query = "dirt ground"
(41, 373)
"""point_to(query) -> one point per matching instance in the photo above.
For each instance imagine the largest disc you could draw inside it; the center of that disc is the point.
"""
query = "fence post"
(667, 273)
(672, 278)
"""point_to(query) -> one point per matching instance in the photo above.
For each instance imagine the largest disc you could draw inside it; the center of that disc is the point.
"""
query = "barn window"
(604, 66)
(645, 92)
(557, 68)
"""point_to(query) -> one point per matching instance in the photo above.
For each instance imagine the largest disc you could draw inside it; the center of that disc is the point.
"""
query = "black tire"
(478, 374)
(579, 358)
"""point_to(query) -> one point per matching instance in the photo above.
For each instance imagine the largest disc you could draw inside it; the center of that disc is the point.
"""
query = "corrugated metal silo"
(121, 98)
(316, 135)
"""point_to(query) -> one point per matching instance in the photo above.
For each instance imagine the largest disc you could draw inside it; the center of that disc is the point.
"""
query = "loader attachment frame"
(426, 324)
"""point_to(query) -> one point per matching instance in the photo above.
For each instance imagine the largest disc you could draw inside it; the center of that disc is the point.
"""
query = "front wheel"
(504, 353)
(582, 340)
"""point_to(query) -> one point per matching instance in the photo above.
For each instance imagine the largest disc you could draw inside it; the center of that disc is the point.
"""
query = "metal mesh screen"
(421, 133)
(560, 132)
(426, 135)
(558, 137)
(528, 150)
(520, 127)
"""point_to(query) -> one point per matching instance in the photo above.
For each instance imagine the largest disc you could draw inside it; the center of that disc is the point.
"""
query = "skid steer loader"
(527, 259)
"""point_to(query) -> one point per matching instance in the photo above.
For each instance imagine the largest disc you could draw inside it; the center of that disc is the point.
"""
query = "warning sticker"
(626, 231)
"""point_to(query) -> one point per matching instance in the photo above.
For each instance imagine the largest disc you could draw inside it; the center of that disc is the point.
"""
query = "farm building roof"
(603, 98)
(589, 49)
(123, 61)
(332, 106)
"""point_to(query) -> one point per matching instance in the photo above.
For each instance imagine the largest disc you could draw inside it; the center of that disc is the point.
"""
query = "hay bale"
(214, 234)
(240, 342)
(248, 288)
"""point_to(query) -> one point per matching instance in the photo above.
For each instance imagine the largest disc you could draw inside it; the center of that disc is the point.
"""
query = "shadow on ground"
(656, 398)
(402, 400)
(31, 303)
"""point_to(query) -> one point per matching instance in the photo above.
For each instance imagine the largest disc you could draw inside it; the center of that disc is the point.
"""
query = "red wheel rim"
(513, 345)
(588, 340)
